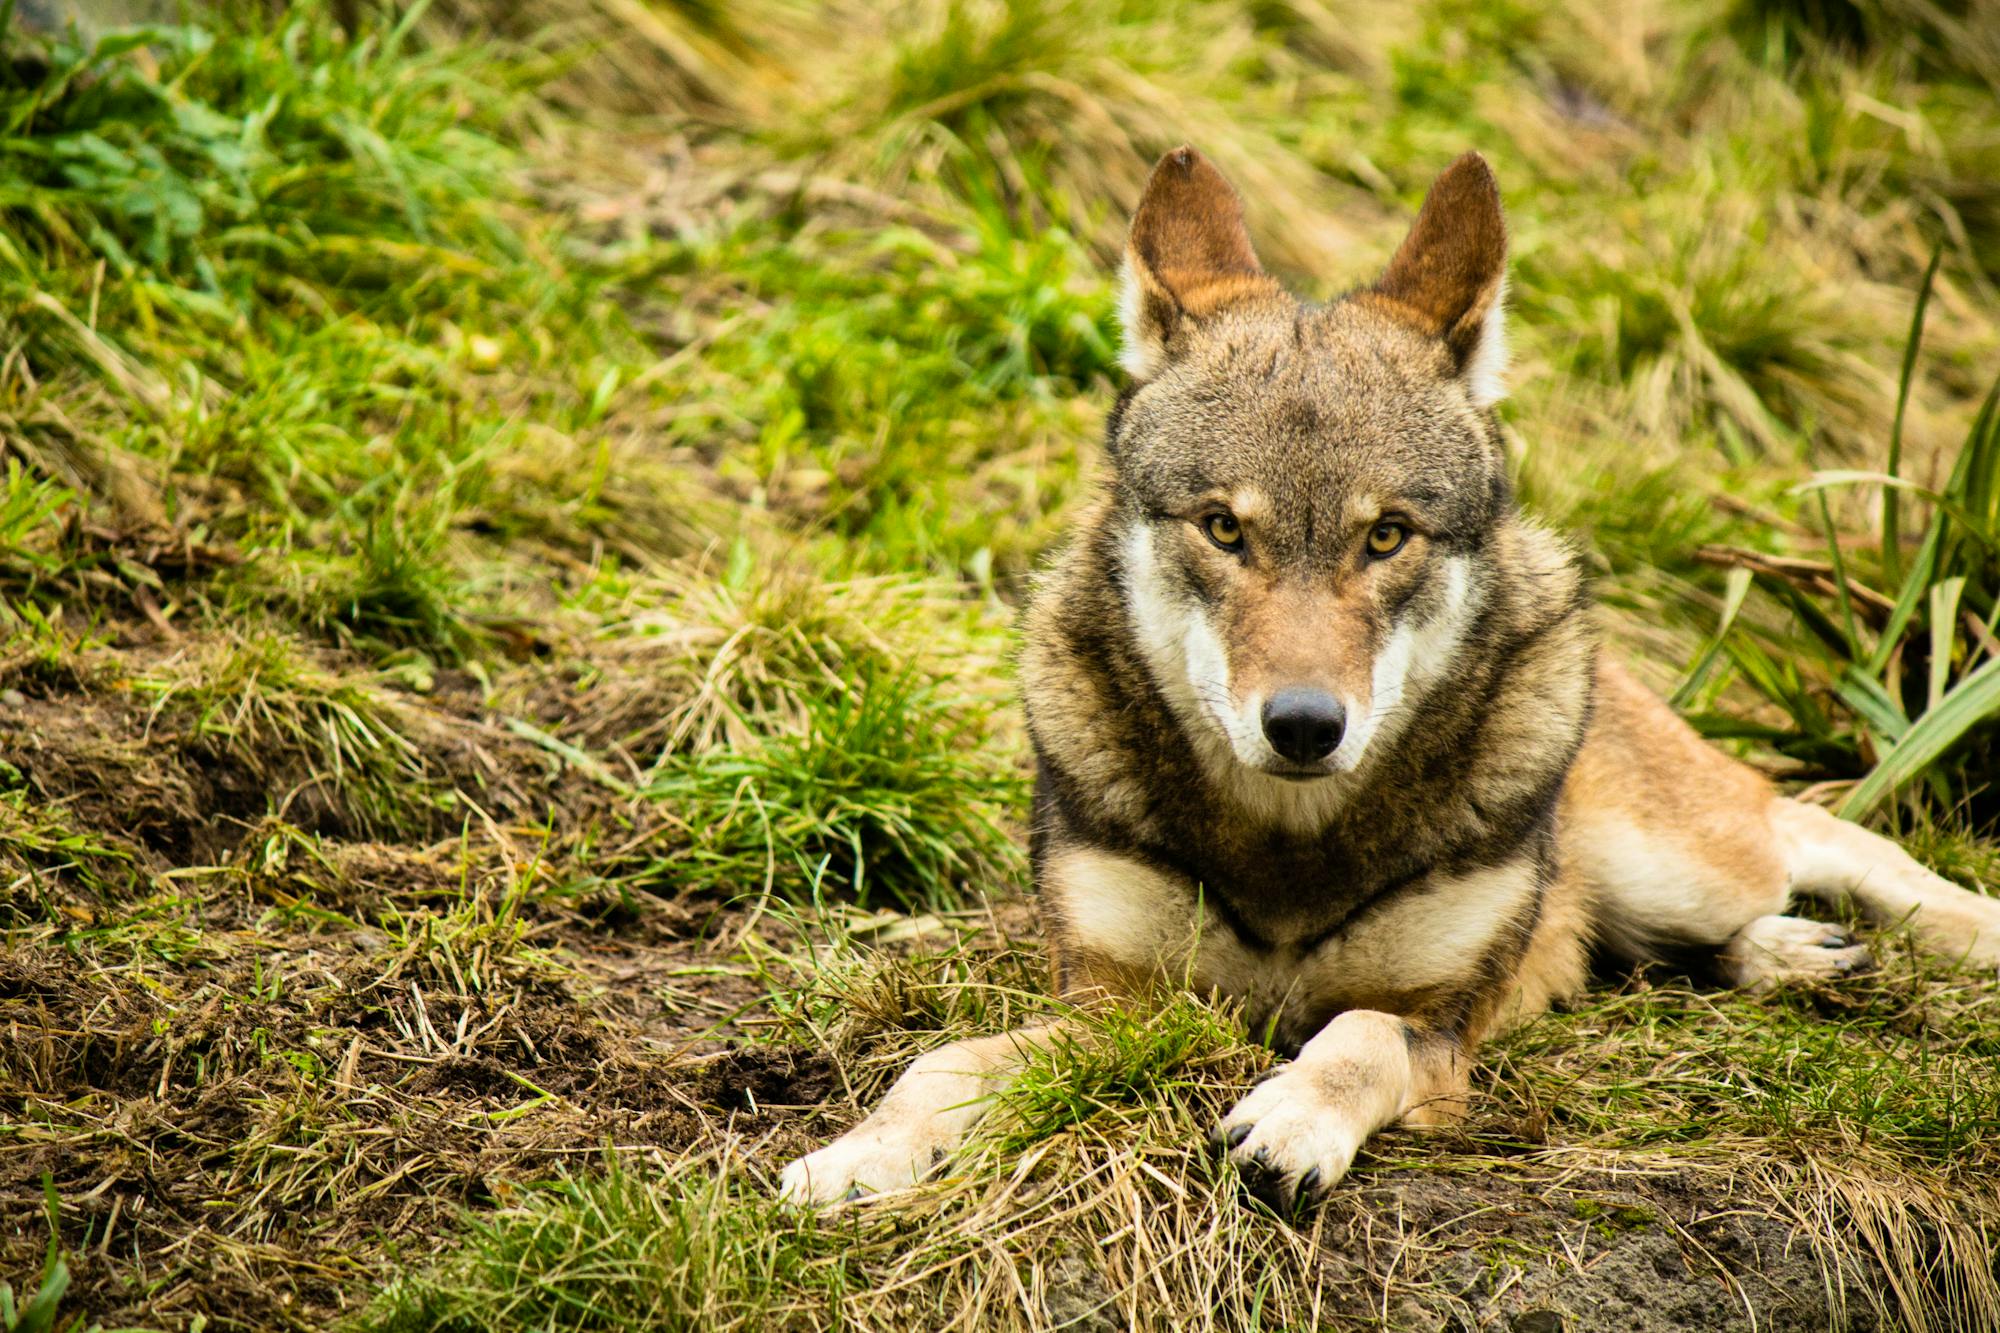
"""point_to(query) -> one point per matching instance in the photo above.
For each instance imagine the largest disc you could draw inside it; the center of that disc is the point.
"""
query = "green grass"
(1901, 683)
(339, 740)
(1121, 1064)
(845, 369)
(885, 796)
(39, 848)
(703, 1244)
(263, 278)
(37, 1312)
(508, 540)
(1893, 1066)
(621, 1250)
(1659, 1077)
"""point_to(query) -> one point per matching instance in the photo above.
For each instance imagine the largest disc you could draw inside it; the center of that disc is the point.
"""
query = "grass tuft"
(318, 739)
(695, 1250)
(884, 796)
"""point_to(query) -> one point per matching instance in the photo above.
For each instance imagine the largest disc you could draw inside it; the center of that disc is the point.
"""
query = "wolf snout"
(1304, 725)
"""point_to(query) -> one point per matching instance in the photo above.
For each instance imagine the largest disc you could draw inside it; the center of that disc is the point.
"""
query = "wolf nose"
(1304, 726)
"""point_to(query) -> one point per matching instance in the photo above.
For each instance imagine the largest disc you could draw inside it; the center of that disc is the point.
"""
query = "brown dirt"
(1544, 1250)
(180, 1135)
(1547, 1250)
(251, 1076)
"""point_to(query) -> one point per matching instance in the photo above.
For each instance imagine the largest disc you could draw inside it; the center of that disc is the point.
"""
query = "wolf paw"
(858, 1164)
(1776, 951)
(1291, 1139)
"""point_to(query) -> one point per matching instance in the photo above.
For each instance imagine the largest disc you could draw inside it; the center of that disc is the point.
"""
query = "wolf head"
(1304, 493)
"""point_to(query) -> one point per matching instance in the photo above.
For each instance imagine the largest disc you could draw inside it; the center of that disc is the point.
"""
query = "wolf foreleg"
(924, 1118)
(1296, 1133)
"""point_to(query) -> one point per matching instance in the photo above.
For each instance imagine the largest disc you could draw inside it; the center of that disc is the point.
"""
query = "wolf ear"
(1449, 276)
(1188, 256)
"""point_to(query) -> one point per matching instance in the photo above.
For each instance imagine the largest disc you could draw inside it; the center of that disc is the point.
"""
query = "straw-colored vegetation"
(510, 517)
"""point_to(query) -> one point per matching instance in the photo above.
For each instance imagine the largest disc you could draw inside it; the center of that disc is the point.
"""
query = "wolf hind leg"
(922, 1121)
(1684, 849)
(1833, 860)
(1668, 834)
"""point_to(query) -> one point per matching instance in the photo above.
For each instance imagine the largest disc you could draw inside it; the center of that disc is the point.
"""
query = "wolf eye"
(1385, 539)
(1224, 531)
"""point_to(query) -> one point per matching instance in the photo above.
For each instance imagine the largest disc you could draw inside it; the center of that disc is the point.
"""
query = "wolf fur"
(1312, 503)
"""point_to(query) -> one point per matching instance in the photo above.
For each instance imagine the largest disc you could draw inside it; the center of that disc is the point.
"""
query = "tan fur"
(1665, 828)
(1188, 257)
(1360, 1074)
(1138, 922)
(1189, 239)
(1124, 923)
(1832, 859)
(1777, 951)
(1282, 635)
(926, 1115)
(1681, 845)
(1503, 798)
(1556, 962)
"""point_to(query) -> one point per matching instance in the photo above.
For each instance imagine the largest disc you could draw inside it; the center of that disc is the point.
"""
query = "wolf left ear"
(1188, 256)
(1449, 277)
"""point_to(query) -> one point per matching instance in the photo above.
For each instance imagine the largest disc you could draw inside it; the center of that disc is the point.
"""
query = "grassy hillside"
(510, 521)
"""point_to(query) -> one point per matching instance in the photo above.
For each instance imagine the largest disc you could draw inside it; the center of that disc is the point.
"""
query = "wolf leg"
(1296, 1133)
(1680, 846)
(921, 1121)
(1830, 858)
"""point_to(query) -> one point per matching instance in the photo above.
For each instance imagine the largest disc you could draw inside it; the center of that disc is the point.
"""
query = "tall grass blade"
(1855, 647)
(1976, 698)
(1819, 622)
(1915, 588)
(1944, 636)
(1892, 554)
(1964, 515)
(1733, 593)
(1872, 703)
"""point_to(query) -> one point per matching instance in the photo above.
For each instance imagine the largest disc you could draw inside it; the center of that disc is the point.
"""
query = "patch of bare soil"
(259, 1060)
(1546, 1249)
(248, 1158)
(1579, 1250)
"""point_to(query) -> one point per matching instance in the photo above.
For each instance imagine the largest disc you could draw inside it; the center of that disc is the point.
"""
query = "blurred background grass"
(431, 323)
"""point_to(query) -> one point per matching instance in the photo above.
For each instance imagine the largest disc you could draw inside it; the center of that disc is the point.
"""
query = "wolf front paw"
(855, 1165)
(1291, 1139)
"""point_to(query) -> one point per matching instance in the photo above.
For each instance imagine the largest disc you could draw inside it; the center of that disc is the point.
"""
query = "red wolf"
(1323, 727)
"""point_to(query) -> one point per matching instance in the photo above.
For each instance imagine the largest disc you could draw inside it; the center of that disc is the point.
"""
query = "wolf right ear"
(1188, 256)
(1449, 277)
